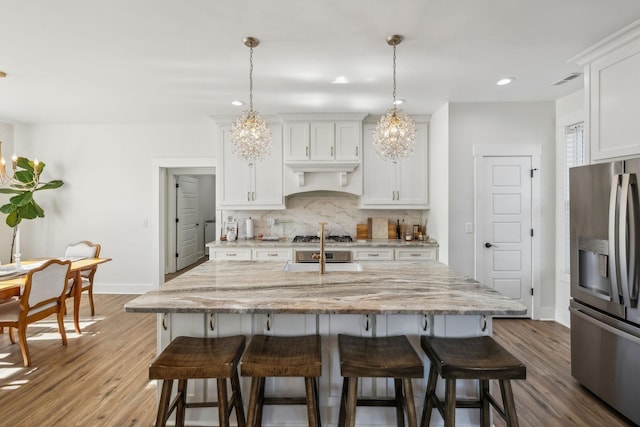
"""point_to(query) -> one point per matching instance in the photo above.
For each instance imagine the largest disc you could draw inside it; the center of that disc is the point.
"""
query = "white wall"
(6, 232)
(500, 123)
(107, 170)
(438, 225)
(569, 110)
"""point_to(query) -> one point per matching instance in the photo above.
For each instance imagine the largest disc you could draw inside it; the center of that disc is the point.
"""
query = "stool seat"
(386, 357)
(473, 358)
(283, 356)
(188, 358)
(392, 357)
(479, 358)
(278, 356)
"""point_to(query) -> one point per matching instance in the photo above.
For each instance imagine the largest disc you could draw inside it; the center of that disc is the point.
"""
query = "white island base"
(171, 325)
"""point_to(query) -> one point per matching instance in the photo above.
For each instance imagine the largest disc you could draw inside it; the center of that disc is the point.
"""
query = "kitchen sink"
(329, 267)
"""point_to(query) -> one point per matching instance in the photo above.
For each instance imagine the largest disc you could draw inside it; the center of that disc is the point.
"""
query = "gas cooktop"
(316, 239)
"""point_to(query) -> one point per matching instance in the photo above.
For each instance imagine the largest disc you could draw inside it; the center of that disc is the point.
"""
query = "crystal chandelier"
(395, 133)
(250, 134)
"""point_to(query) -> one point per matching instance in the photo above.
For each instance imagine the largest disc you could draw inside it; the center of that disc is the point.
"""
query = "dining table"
(12, 279)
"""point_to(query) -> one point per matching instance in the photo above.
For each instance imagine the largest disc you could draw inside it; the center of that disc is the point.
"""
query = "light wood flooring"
(101, 377)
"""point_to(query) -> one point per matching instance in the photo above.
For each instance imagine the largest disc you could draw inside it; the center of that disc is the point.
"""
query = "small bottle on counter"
(398, 232)
(403, 230)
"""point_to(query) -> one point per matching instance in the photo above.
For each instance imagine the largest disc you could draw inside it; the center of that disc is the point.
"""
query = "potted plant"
(24, 183)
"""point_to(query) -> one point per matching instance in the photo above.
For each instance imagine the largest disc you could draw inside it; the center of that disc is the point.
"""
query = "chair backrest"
(84, 249)
(45, 285)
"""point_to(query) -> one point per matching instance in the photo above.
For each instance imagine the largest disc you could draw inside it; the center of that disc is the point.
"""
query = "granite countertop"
(429, 287)
(287, 243)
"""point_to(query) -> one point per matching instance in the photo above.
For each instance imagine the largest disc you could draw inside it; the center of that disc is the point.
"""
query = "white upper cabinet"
(612, 90)
(322, 152)
(401, 185)
(322, 141)
(242, 186)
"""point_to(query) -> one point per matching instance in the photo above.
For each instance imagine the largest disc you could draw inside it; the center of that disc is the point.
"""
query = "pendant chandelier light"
(250, 134)
(395, 133)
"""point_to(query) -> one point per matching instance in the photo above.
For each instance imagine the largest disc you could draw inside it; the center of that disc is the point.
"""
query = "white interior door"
(186, 225)
(504, 226)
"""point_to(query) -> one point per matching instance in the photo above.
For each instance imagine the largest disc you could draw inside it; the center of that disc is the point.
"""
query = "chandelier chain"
(394, 76)
(250, 79)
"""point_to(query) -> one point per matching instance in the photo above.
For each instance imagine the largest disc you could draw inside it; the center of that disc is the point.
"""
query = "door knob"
(489, 245)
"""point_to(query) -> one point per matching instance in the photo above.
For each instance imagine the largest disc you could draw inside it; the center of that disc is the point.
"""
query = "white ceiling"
(90, 61)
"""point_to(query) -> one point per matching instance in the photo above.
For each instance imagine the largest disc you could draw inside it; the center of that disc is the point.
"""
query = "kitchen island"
(386, 298)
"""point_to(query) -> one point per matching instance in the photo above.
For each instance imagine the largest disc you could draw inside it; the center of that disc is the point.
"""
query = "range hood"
(305, 176)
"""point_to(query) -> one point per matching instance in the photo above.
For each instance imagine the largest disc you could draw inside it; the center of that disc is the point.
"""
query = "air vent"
(567, 78)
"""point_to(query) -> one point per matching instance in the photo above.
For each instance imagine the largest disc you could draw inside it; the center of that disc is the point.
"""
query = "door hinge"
(532, 170)
(177, 220)
(177, 185)
(532, 232)
(178, 256)
(531, 291)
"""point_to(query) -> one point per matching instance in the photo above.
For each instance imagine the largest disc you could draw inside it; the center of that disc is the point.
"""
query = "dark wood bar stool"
(188, 358)
(278, 356)
(477, 358)
(387, 357)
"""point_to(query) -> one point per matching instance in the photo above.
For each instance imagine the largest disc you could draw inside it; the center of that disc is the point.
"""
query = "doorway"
(163, 239)
(507, 207)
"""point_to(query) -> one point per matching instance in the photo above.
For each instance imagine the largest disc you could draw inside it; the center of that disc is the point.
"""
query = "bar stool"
(278, 356)
(478, 358)
(387, 357)
(189, 358)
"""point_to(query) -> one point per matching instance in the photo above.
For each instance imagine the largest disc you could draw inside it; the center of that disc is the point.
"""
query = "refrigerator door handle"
(626, 238)
(630, 288)
(614, 268)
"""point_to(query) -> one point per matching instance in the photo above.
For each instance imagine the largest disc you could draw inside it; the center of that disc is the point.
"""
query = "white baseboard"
(547, 313)
(123, 288)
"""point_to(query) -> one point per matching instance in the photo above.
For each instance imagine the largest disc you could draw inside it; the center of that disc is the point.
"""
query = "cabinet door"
(273, 254)
(413, 172)
(614, 89)
(267, 182)
(230, 254)
(370, 254)
(379, 175)
(235, 186)
(348, 140)
(416, 254)
(322, 141)
(296, 141)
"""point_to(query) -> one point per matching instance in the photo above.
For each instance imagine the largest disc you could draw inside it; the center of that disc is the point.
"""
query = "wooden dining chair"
(45, 290)
(84, 249)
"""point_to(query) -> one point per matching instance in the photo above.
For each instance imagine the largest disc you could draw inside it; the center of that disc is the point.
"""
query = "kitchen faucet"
(321, 256)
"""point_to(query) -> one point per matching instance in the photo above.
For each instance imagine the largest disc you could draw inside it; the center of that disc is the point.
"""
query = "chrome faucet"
(321, 256)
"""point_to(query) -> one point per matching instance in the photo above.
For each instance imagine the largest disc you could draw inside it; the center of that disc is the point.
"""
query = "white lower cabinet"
(230, 254)
(372, 254)
(272, 254)
(328, 326)
(416, 254)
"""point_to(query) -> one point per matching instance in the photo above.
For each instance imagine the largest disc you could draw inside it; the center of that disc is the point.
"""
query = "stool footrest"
(377, 402)
(285, 401)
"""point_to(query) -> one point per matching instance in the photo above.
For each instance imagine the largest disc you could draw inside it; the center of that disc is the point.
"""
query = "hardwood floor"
(550, 396)
(101, 377)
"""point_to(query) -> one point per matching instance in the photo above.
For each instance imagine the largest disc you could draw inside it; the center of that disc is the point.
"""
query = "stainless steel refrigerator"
(605, 273)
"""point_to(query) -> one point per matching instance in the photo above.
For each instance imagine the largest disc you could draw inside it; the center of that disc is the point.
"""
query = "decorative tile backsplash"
(304, 212)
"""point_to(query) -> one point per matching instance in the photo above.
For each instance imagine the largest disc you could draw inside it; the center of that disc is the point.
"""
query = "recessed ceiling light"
(399, 102)
(340, 80)
(237, 103)
(505, 81)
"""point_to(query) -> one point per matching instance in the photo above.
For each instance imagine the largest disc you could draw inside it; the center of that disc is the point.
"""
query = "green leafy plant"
(26, 181)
